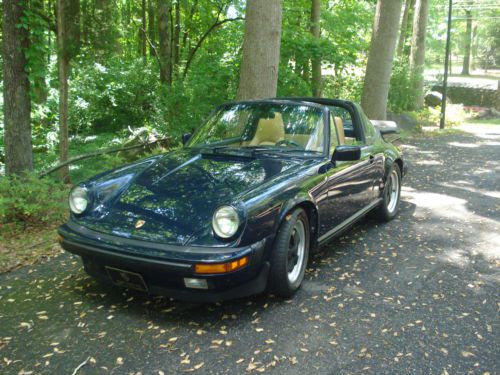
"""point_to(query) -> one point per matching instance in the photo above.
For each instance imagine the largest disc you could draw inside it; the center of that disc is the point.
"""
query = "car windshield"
(263, 126)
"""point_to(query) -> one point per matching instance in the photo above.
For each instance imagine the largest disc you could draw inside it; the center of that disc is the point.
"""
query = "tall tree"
(417, 55)
(17, 104)
(164, 41)
(380, 59)
(142, 32)
(316, 79)
(106, 34)
(177, 34)
(409, 5)
(261, 49)
(68, 41)
(468, 43)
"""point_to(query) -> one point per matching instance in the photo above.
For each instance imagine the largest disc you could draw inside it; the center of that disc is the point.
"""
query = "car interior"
(272, 131)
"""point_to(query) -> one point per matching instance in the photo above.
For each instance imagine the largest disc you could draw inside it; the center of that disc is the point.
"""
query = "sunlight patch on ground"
(439, 204)
(452, 212)
(484, 131)
(493, 194)
(460, 144)
(429, 162)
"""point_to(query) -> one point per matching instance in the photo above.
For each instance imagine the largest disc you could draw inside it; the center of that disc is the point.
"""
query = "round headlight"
(225, 222)
(78, 200)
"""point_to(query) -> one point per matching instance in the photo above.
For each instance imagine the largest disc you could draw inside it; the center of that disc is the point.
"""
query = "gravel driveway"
(419, 295)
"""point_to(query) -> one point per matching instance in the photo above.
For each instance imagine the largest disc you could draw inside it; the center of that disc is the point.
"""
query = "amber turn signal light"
(207, 268)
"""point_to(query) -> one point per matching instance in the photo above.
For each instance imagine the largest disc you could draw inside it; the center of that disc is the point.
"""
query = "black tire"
(282, 257)
(388, 209)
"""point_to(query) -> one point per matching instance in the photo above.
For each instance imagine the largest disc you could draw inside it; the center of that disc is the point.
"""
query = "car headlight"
(225, 222)
(78, 200)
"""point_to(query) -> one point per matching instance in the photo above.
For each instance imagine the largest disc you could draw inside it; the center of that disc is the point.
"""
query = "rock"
(404, 121)
(433, 99)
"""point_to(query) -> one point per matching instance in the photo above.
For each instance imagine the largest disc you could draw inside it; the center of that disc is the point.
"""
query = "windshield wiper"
(289, 150)
(221, 150)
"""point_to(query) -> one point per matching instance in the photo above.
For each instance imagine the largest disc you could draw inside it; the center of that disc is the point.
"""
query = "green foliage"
(401, 93)
(345, 26)
(112, 97)
(429, 116)
(37, 51)
(348, 86)
(31, 200)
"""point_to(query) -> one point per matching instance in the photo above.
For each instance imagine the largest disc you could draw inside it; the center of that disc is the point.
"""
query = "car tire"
(290, 254)
(391, 195)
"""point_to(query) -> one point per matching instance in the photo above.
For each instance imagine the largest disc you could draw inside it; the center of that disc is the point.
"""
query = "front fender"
(300, 200)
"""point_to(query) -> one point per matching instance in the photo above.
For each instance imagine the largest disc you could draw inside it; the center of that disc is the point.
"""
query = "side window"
(334, 134)
(368, 129)
(345, 126)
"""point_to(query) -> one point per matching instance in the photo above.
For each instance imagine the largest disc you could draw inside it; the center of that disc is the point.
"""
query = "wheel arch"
(400, 164)
(312, 214)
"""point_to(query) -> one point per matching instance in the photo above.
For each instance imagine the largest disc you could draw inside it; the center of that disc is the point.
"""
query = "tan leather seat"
(269, 131)
(339, 124)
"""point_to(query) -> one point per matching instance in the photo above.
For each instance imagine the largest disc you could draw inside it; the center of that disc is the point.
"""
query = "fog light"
(195, 283)
(207, 268)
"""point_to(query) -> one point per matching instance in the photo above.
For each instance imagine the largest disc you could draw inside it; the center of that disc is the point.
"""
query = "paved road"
(419, 295)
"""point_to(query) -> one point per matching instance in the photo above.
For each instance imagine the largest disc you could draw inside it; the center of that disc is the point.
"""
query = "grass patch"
(490, 121)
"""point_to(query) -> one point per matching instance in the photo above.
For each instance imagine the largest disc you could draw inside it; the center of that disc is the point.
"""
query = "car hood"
(172, 198)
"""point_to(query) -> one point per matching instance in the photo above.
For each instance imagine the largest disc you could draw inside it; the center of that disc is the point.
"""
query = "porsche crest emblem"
(139, 224)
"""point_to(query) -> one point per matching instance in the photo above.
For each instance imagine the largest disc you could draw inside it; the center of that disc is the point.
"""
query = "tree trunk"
(63, 70)
(468, 44)
(474, 47)
(380, 59)
(68, 42)
(105, 41)
(177, 33)
(261, 50)
(404, 26)
(142, 32)
(316, 80)
(417, 54)
(165, 52)
(152, 26)
(17, 104)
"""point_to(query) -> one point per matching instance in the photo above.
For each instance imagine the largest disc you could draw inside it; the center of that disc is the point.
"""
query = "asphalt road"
(419, 295)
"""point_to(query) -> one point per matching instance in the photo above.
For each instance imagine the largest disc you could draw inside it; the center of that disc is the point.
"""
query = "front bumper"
(164, 267)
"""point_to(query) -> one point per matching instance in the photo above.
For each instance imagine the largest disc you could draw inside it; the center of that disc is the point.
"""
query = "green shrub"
(113, 97)
(402, 94)
(31, 200)
(430, 116)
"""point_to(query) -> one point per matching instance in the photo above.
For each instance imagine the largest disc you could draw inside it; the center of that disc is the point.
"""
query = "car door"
(347, 187)
(373, 150)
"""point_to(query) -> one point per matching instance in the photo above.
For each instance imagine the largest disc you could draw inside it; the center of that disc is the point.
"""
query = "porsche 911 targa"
(240, 207)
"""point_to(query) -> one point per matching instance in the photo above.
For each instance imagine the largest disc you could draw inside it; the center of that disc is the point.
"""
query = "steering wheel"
(287, 142)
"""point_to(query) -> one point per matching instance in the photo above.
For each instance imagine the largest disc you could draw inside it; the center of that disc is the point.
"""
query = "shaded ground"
(419, 295)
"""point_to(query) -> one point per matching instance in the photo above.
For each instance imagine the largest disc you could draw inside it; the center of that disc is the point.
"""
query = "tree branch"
(202, 39)
(98, 153)
(153, 47)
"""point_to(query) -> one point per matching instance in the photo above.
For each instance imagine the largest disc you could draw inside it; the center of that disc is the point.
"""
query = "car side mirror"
(346, 153)
(186, 137)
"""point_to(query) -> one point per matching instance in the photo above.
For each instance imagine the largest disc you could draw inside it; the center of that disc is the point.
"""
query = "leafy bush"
(429, 116)
(347, 86)
(402, 94)
(116, 96)
(31, 200)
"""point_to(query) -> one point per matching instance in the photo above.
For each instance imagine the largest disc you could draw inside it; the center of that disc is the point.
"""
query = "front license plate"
(126, 279)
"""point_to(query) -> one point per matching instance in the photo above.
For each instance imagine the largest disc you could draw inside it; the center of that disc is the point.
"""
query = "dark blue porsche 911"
(241, 206)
